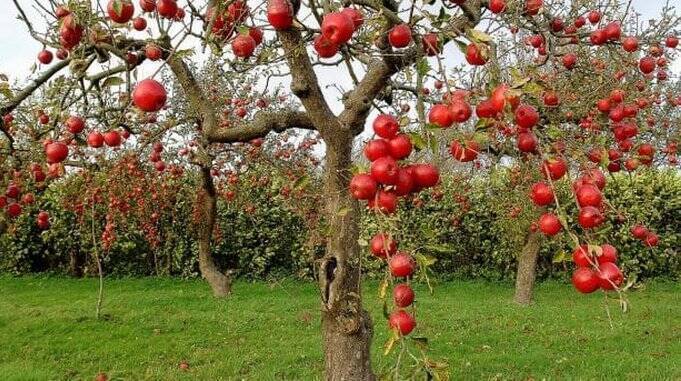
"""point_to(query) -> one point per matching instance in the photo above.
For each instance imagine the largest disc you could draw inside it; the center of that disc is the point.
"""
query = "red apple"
(383, 246)
(610, 276)
(585, 280)
(45, 57)
(325, 47)
(441, 116)
(56, 152)
(402, 321)
(549, 224)
(120, 11)
(363, 187)
(384, 170)
(243, 46)
(149, 95)
(400, 36)
(280, 14)
(75, 124)
(403, 295)
(402, 265)
(400, 146)
(542, 194)
(377, 148)
(167, 8)
(386, 126)
(337, 27)
(95, 139)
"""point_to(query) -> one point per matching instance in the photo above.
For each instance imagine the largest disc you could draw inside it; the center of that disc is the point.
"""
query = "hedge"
(473, 229)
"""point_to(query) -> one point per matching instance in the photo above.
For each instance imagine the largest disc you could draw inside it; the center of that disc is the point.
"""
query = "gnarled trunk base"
(219, 282)
(527, 270)
(347, 354)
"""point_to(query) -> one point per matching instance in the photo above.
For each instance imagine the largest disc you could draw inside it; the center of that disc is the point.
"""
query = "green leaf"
(185, 53)
(417, 140)
(483, 124)
(533, 88)
(6, 90)
(359, 168)
(301, 182)
(113, 81)
(560, 257)
(595, 250)
(242, 29)
(434, 146)
(425, 260)
(442, 16)
(383, 289)
(118, 7)
(404, 121)
(481, 138)
(421, 342)
(520, 82)
(386, 312)
(554, 132)
(440, 249)
(461, 45)
(390, 344)
(422, 67)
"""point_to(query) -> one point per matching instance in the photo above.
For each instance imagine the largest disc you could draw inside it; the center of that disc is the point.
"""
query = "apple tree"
(540, 83)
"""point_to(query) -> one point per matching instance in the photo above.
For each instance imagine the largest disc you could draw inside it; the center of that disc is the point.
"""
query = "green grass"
(271, 331)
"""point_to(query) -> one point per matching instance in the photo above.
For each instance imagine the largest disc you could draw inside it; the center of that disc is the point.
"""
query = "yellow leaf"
(383, 289)
(479, 36)
(390, 344)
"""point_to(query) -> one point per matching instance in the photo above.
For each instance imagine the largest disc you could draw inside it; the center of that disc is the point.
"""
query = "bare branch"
(33, 86)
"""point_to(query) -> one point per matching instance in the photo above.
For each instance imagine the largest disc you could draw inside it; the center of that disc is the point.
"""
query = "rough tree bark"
(76, 260)
(527, 269)
(220, 282)
(347, 327)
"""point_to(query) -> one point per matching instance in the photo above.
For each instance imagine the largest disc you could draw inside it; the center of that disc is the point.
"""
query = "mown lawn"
(271, 331)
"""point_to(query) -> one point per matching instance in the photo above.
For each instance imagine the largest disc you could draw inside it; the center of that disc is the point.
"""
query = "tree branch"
(261, 125)
(198, 100)
(358, 102)
(35, 84)
(305, 84)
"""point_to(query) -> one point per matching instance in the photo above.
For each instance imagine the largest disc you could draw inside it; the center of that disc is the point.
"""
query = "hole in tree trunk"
(330, 270)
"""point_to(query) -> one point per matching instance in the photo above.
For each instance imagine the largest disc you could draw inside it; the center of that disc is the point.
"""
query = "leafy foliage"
(472, 229)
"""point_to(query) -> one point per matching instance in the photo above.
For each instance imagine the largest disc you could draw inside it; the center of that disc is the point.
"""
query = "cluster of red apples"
(148, 96)
(387, 180)
(13, 200)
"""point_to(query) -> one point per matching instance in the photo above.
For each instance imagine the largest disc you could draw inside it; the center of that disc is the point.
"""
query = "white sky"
(18, 51)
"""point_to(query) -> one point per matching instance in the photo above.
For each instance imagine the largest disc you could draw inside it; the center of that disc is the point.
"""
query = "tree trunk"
(221, 283)
(76, 263)
(527, 269)
(347, 327)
